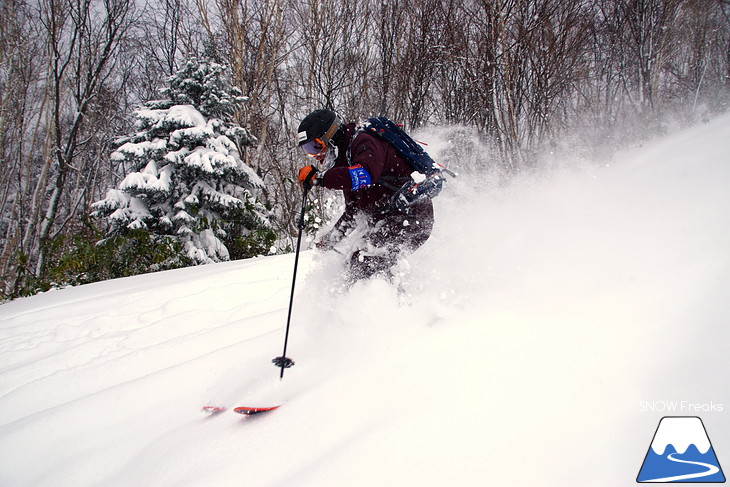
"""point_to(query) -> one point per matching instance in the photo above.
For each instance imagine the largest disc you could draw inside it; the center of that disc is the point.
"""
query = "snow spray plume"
(285, 362)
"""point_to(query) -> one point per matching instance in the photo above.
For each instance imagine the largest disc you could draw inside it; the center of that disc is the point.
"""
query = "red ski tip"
(248, 411)
(213, 409)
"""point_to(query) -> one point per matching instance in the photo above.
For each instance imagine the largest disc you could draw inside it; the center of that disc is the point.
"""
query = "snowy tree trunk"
(90, 48)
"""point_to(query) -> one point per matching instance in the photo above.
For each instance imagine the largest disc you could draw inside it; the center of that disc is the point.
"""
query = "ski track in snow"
(540, 314)
(131, 330)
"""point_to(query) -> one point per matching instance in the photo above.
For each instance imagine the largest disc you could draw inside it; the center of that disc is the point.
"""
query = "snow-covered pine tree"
(187, 177)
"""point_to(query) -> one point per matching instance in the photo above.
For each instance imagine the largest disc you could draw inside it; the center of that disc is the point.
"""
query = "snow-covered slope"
(559, 316)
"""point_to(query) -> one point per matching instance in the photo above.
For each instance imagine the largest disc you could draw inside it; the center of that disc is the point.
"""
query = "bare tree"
(83, 46)
(695, 72)
(68, 87)
(649, 24)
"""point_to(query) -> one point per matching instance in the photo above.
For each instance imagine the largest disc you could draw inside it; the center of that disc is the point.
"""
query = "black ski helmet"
(320, 124)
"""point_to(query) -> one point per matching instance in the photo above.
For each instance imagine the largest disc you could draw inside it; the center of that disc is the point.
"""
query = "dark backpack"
(409, 192)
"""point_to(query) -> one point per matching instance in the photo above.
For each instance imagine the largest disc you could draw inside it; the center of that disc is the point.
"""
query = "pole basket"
(283, 362)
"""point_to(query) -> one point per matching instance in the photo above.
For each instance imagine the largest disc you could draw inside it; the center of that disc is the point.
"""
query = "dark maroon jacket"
(386, 168)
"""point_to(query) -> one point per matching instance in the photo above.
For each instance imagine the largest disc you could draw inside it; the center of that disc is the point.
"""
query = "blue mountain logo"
(681, 452)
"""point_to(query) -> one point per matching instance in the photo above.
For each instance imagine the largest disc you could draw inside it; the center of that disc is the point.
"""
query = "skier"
(368, 171)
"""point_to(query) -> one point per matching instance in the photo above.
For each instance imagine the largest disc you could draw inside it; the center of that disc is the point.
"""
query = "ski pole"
(285, 362)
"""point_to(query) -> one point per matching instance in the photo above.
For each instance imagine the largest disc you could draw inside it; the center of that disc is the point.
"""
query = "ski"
(248, 411)
(245, 410)
(214, 409)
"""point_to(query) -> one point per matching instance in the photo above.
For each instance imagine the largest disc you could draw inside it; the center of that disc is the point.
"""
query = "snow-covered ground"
(559, 318)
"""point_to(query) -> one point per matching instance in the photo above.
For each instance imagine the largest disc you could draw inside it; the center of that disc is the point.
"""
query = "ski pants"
(391, 235)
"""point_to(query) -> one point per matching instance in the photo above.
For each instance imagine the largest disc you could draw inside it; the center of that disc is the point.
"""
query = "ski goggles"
(314, 148)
